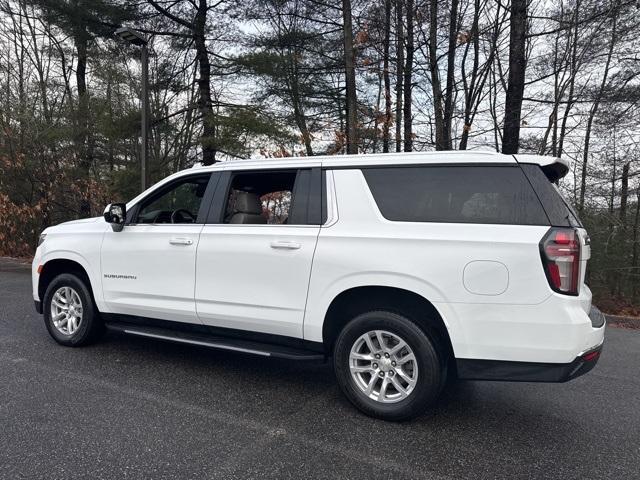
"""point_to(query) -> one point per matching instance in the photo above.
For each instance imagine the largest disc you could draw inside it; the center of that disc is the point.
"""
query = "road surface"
(137, 408)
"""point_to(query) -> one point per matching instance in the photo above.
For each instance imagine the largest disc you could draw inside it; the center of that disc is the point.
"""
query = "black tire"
(90, 327)
(431, 367)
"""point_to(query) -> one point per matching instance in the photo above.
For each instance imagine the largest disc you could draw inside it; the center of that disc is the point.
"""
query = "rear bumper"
(498, 370)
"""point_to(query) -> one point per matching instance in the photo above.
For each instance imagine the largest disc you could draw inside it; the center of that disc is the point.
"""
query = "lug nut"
(393, 364)
(386, 355)
(377, 355)
(391, 373)
(375, 365)
(381, 374)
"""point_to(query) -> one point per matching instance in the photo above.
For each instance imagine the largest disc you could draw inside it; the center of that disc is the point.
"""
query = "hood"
(81, 220)
(63, 225)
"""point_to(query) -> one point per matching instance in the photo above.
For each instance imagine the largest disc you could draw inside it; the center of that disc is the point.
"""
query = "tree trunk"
(385, 75)
(573, 66)
(515, 87)
(558, 92)
(83, 142)
(470, 91)
(592, 114)
(451, 59)
(634, 260)
(624, 195)
(205, 105)
(408, 70)
(298, 110)
(350, 79)
(436, 88)
(399, 72)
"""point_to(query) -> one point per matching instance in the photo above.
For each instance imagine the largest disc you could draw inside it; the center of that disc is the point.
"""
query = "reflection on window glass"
(179, 204)
(261, 198)
(276, 206)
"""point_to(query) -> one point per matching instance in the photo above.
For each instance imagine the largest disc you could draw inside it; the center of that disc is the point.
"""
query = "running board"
(217, 342)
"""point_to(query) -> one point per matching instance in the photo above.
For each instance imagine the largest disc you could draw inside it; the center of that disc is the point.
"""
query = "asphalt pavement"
(137, 408)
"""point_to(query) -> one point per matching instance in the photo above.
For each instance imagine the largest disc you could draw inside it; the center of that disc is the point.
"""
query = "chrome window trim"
(332, 202)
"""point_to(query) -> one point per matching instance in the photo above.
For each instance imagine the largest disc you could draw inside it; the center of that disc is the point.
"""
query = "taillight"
(560, 251)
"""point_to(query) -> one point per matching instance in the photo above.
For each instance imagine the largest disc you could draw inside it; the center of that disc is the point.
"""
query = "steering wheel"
(183, 215)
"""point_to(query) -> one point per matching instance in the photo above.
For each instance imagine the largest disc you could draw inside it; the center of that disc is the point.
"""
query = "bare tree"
(517, 66)
(350, 79)
(594, 108)
(408, 71)
(385, 74)
(399, 71)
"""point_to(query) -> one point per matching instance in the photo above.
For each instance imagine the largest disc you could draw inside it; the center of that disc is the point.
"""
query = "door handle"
(180, 241)
(285, 245)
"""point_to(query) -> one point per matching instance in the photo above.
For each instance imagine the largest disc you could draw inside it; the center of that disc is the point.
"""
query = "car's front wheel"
(69, 311)
(387, 366)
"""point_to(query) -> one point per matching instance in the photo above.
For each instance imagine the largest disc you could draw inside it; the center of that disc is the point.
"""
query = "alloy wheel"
(66, 310)
(383, 366)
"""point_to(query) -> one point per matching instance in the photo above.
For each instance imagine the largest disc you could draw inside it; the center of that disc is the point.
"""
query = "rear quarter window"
(559, 211)
(455, 194)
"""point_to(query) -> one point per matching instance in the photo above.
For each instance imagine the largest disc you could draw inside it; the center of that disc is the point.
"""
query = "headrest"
(247, 202)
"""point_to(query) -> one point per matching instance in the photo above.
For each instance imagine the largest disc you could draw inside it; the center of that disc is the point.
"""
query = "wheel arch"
(54, 267)
(355, 300)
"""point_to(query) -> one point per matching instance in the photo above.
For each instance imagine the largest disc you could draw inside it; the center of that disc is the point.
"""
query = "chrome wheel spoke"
(410, 357)
(369, 343)
(383, 389)
(396, 384)
(371, 384)
(364, 369)
(396, 348)
(411, 381)
(59, 305)
(363, 356)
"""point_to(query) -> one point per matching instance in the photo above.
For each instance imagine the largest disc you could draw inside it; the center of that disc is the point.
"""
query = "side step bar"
(217, 342)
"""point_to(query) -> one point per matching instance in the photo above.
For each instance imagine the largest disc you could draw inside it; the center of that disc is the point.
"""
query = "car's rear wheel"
(387, 366)
(69, 311)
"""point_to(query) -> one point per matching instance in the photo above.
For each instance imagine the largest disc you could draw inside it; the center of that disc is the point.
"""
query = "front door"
(254, 259)
(148, 269)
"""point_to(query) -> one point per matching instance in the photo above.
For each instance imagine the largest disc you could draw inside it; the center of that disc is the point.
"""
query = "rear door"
(256, 250)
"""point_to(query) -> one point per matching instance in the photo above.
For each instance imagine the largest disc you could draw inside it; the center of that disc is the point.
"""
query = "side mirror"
(116, 214)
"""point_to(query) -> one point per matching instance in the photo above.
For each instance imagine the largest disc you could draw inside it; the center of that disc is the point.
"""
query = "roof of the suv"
(370, 159)
(439, 157)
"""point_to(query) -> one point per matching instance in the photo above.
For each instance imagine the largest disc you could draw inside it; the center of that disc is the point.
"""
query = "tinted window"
(558, 210)
(455, 194)
(177, 203)
(275, 197)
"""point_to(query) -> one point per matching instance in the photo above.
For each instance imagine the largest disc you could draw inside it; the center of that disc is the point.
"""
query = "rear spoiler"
(553, 167)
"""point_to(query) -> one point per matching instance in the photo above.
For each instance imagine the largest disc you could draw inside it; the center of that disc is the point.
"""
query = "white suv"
(404, 268)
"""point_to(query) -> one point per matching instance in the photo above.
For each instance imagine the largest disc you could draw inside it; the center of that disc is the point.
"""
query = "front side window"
(178, 203)
(455, 194)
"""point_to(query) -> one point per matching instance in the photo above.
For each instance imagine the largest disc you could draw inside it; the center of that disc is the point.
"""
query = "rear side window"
(558, 210)
(455, 194)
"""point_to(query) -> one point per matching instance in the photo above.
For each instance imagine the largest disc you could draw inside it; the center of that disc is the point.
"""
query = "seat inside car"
(247, 208)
